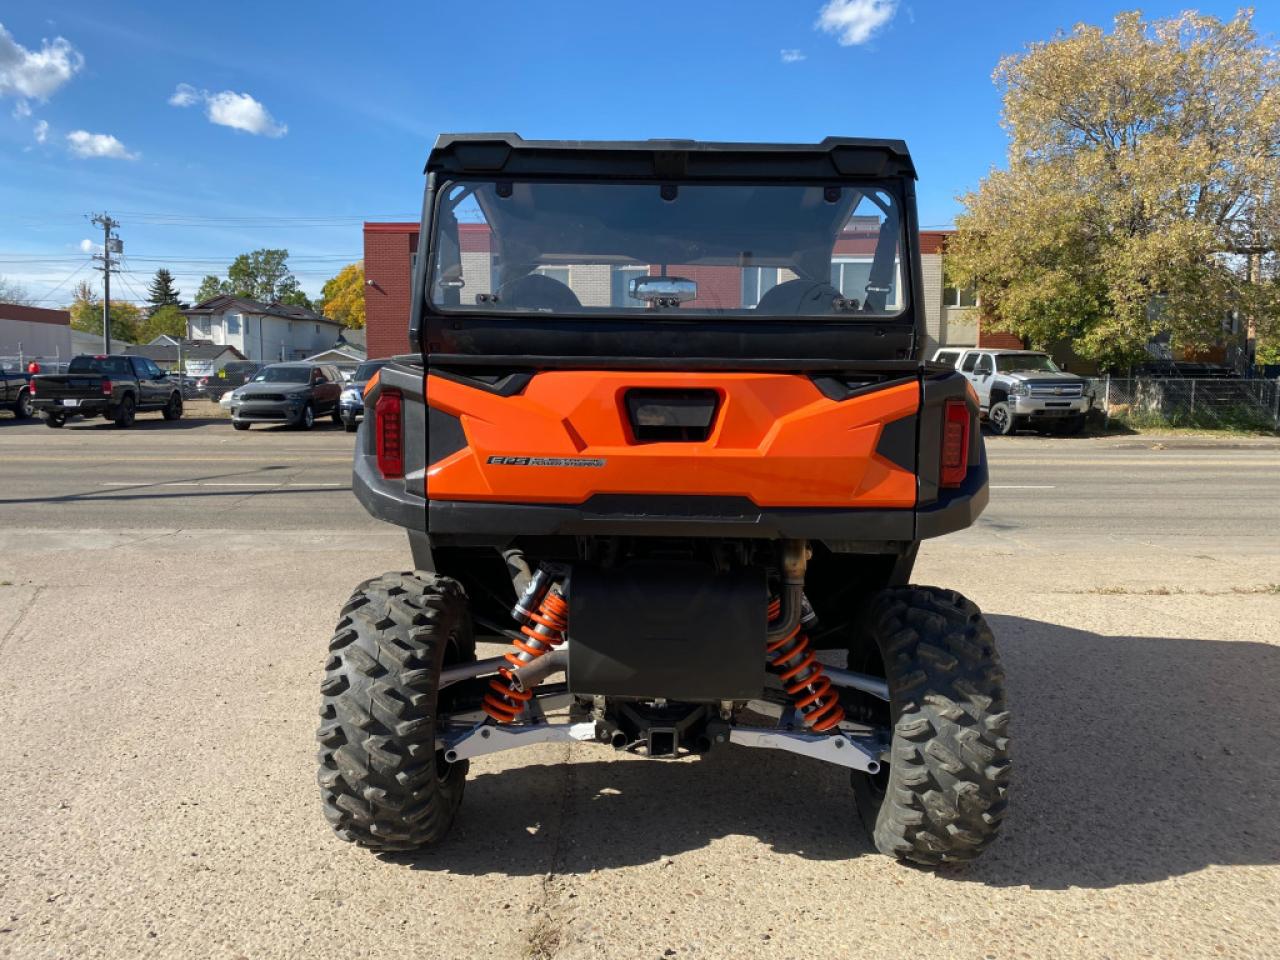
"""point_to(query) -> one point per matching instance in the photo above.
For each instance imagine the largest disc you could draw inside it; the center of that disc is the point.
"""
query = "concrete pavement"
(161, 641)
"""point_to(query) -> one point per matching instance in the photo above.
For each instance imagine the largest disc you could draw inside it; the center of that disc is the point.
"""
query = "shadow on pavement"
(1136, 759)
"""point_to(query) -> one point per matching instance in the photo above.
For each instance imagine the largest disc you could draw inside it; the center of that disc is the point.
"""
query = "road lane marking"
(1023, 486)
(192, 483)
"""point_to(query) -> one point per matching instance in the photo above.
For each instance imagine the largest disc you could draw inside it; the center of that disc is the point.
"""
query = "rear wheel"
(351, 424)
(1001, 418)
(52, 419)
(942, 795)
(173, 409)
(383, 783)
(337, 415)
(126, 412)
(22, 406)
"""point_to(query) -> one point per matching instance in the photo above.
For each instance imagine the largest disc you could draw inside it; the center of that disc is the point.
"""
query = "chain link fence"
(1205, 403)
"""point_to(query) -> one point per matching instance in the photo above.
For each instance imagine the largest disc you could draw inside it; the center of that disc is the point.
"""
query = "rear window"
(365, 371)
(108, 366)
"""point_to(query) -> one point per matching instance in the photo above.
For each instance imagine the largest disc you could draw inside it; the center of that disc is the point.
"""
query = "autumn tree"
(86, 315)
(1139, 193)
(162, 291)
(258, 275)
(344, 296)
(168, 320)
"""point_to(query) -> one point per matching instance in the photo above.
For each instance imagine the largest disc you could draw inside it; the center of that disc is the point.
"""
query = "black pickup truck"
(117, 387)
(15, 393)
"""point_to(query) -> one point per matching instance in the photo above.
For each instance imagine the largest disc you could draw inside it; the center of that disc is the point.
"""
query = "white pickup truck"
(1022, 389)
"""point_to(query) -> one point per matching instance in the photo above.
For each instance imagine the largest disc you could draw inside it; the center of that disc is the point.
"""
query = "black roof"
(275, 308)
(835, 158)
(191, 350)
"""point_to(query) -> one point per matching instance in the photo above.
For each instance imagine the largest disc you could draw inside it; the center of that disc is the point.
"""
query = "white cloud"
(184, 96)
(85, 144)
(42, 131)
(792, 56)
(239, 111)
(21, 110)
(855, 21)
(36, 74)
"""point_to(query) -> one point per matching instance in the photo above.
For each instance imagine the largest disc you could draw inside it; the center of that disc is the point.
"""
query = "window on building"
(620, 285)
(959, 297)
(556, 273)
(200, 327)
(851, 277)
(233, 323)
(756, 282)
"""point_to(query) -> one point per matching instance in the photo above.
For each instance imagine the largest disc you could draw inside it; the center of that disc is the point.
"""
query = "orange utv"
(668, 436)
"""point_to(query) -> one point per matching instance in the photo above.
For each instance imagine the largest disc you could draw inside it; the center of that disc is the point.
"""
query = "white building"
(28, 333)
(262, 332)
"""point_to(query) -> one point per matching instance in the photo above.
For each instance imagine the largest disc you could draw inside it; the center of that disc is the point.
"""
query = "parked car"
(292, 393)
(117, 387)
(352, 403)
(1020, 389)
(15, 390)
(235, 374)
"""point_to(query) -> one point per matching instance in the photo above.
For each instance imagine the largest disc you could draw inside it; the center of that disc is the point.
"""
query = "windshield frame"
(900, 197)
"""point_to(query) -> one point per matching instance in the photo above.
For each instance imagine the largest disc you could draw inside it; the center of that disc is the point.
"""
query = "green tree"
(168, 320)
(1139, 195)
(258, 275)
(210, 287)
(162, 291)
(11, 292)
(343, 296)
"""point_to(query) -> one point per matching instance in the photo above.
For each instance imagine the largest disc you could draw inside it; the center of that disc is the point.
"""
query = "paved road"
(161, 640)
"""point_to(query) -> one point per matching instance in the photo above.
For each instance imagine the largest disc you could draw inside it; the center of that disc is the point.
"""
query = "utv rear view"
(670, 439)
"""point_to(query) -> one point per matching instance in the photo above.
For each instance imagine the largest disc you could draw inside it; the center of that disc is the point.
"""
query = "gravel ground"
(158, 690)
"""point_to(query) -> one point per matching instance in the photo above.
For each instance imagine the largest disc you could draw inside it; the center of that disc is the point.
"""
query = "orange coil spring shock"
(543, 629)
(801, 674)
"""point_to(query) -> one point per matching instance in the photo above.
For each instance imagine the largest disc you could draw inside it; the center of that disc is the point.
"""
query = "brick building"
(951, 315)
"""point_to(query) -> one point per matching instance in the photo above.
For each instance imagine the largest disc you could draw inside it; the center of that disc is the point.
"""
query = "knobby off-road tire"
(944, 793)
(173, 409)
(382, 781)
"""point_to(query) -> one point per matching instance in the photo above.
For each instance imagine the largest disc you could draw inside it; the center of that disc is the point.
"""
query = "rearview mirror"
(662, 291)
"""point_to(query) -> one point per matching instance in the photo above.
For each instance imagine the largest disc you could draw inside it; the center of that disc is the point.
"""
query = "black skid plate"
(674, 630)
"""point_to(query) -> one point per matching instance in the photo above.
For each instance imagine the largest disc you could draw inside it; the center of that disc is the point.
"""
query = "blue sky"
(209, 131)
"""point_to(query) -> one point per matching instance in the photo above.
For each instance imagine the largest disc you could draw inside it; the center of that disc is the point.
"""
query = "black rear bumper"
(90, 407)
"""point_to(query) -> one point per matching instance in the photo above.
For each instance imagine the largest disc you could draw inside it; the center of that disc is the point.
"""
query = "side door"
(320, 390)
(334, 386)
(983, 375)
(146, 382)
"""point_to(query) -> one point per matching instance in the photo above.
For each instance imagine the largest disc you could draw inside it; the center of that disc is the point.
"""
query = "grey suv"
(292, 393)
(1020, 389)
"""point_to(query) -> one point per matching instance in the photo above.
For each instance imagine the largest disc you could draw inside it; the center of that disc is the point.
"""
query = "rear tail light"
(389, 433)
(106, 388)
(955, 443)
(32, 388)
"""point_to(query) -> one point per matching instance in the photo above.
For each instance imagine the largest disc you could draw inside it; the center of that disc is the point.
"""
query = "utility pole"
(110, 245)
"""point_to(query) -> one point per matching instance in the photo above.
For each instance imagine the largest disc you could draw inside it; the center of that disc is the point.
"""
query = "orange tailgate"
(775, 440)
